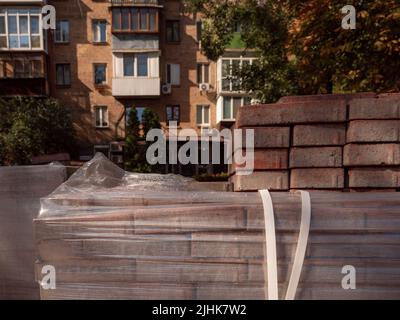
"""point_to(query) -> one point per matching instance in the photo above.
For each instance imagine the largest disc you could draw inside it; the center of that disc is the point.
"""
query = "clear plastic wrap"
(21, 188)
(116, 235)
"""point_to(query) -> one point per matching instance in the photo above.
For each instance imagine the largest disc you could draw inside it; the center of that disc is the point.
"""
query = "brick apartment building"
(106, 56)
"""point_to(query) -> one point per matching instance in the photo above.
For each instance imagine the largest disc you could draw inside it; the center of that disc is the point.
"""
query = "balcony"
(134, 2)
(136, 87)
(34, 87)
(24, 2)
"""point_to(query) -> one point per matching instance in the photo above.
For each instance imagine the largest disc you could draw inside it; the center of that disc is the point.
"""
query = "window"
(24, 68)
(36, 68)
(7, 69)
(199, 30)
(129, 64)
(136, 65)
(173, 113)
(100, 73)
(63, 74)
(173, 31)
(99, 31)
(203, 73)
(19, 69)
(173, 74)
(142, 65)
(230, 67)
(62, 31)
(101, 116)
(203, 115)
(20, 29)
(134, 20)
(232, 104)
(140, 111)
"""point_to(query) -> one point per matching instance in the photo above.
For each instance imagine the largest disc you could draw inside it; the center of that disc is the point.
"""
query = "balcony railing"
(135, 87)
(134, 2)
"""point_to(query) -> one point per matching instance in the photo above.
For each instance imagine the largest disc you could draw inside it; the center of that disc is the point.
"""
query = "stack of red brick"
(330, 142)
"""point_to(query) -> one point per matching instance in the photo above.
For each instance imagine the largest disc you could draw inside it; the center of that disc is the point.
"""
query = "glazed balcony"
(139, 3)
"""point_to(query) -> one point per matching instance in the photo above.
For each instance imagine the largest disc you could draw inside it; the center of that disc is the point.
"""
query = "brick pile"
(112, 240)
(348, 142)
(20, 191)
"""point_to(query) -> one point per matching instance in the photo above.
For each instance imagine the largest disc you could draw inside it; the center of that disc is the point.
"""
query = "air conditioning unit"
(204, 87)
(166, 88)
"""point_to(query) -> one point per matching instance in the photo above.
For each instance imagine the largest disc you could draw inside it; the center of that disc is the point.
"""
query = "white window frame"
(171, 81)
(241, 60)
(232, 118)
(204, 109)
(136, 66)
(96, 30)
(61, 40)
(204, 66)
(101, 120)
(19, 12)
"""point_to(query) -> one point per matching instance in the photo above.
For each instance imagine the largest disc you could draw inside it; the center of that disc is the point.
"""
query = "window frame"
(170, 23)
(204, 66)
(132, 16)
(203, 108)
(168, 74)
(60, 33)
(96, 31)
(173, 108)
(232, 98)
(64, 84)
(17, 13)
(136, 65)
(95, 65)
(226, 78)
(101, 120)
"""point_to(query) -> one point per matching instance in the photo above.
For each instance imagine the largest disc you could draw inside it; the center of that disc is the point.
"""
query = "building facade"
(106, 56)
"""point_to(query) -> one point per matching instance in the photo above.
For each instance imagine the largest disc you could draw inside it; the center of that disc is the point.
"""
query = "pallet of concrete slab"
(20, 191)
(210, 245)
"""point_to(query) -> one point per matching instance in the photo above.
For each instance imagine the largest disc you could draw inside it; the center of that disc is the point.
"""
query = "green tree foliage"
(132, 153)
(302, 46)
(30, 127)
(135, 142)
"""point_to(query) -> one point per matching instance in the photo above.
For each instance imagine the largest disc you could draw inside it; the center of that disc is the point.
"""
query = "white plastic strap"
(301, 245)
(270, 238)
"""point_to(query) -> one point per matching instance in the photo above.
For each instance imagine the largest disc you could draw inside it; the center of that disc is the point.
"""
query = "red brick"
(268, 159)
(317, 178)
(274, 180)
(324, 97)
(269, 137)
(319, 135)
(292, 113)
(374, 178)
(371, 154)
(228, 245)
(394, 95)
(374, 131)
(383, 108)
(371, 190)
(316, 157)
